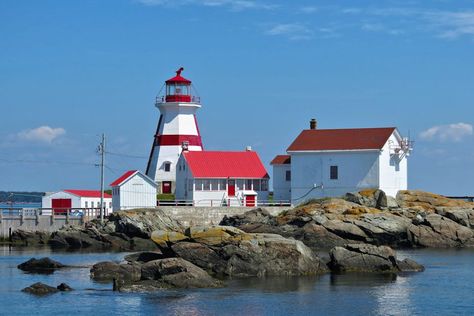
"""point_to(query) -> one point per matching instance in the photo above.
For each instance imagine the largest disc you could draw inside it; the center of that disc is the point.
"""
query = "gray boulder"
(178, 273)
(43, 265)
(368, 258)
(108, 271)
(143, 257)
(40, 289)
(142, 222)
(440, 232)
(30, 238)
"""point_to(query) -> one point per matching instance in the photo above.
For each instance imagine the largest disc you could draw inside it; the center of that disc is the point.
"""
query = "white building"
(221, 178)
(177, 128)
(332, 162)
(133, 190)
(62, 201)
(281, 178)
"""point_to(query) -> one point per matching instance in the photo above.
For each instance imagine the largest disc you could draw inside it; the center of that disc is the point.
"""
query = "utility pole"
(102, 167)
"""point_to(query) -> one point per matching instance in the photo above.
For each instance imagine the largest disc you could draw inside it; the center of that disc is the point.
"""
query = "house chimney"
(312, 124)
(248, 148)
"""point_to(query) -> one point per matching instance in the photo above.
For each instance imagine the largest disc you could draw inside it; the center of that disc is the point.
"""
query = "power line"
(46, 162)
(126, 155)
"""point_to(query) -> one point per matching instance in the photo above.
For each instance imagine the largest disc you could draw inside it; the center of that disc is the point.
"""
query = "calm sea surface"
(445, 288)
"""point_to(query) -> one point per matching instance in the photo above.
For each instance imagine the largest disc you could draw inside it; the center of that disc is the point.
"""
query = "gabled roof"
(123, 178)
(281, 160)
(88, 193)
(225, 164)
(341, 139)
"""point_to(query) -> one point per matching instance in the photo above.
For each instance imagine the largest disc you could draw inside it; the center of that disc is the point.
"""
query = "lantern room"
(178, 89)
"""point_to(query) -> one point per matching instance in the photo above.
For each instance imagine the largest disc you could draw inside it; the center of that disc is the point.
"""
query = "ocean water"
(445, 288)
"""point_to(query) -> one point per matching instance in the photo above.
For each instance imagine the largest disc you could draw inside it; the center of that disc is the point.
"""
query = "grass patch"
(164, 197)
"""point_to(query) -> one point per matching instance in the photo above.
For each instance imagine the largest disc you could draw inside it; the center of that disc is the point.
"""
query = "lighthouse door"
(231, 188)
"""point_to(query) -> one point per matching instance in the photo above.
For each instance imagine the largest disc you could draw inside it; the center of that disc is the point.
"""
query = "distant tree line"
(16, 196)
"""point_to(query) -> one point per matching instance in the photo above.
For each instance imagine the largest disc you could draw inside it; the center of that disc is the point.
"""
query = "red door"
(60, 206)
(250, 200)
(231, 188)
(166, 187)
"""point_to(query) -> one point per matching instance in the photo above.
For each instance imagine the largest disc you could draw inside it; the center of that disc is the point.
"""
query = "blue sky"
(70, 70)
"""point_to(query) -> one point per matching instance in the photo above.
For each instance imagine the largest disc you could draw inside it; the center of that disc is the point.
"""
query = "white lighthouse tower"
(177, 130)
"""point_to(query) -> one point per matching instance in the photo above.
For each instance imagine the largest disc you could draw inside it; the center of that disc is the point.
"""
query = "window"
(110, 204)
(288, 175)
(92, 204)
(86, 204)
(248, 184)
(222, 185)
(214, 183)
(239, 184)
(167, 166)
(190, 185)
(198, 184)
(264, 185)
(333, 173)
(256, 185)
(207, 185)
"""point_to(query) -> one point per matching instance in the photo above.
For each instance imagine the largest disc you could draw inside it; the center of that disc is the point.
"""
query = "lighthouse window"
(167, 167)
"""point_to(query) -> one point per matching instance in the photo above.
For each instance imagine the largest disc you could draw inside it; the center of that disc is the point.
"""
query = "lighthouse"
(177, 130)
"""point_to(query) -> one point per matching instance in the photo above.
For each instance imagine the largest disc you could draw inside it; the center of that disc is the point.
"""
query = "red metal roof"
(178, 78)
(88, 193)
(281, 160)
(123, 177)
(341, 139)
(225, 164)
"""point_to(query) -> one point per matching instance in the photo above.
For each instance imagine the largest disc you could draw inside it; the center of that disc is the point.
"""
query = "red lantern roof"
(178, 78)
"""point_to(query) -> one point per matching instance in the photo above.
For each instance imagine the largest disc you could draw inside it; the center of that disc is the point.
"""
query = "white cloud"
(309, 9)
(236, 5)
(293, 31)
(452, 24)
(452, 132)
(42, 134)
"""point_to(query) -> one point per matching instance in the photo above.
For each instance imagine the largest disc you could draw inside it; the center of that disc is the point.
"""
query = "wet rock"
(408, 265)
(77, 237)
(107, 271)
(40, 265)
(63, 287)
(143, 257)
(40, 289)
(368, 258)
(178, 273)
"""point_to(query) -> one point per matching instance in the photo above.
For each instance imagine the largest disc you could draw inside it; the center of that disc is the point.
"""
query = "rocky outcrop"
(228, 251)
(124, 230)
(30, 238)
(107, 271)
(63, 287)
(40, 289)
(43, 265)
(368, 258)
(414, 219)
(440, 232)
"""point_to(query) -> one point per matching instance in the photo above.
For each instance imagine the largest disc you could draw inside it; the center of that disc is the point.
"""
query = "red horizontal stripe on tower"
(177, 140)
